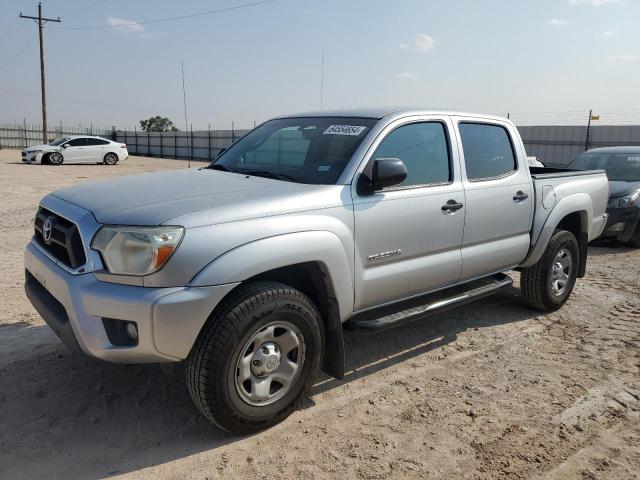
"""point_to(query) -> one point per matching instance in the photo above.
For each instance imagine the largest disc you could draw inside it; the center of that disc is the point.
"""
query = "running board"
(425, 306)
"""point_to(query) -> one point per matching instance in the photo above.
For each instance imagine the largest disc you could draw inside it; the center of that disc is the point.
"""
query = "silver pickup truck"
(249, 269)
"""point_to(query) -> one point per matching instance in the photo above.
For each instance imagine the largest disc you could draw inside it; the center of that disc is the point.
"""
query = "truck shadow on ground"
(66, 416)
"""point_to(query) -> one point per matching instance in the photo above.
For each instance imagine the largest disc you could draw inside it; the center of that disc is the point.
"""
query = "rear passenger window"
(488, 152)
(96, 141)
(423, 148)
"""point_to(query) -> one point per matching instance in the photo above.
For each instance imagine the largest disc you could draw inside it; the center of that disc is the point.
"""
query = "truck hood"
(619, 189)
(173, 198)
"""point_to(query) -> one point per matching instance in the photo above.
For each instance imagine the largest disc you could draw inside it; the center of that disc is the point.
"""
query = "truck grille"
(59, 237)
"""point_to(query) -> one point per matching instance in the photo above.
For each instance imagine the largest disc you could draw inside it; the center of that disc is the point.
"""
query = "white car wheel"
(110, 159)
(55, 158)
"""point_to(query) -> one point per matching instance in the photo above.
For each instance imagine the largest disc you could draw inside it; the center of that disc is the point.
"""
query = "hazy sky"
(494, 56)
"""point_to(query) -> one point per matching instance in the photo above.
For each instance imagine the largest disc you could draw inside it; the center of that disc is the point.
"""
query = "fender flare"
(253, 258)
(576, 203)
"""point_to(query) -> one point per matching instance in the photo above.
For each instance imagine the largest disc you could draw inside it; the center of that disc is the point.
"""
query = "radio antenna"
(186, 122)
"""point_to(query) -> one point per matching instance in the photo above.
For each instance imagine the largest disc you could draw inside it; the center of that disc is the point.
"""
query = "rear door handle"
(451, 206)
(520, 196)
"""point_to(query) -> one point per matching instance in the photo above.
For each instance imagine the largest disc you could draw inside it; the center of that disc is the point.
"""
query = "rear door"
(75, 151)
(406, 244)
(96, 149)
(499, 197)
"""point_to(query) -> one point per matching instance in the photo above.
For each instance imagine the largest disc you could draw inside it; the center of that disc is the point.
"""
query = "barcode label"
(353, 130)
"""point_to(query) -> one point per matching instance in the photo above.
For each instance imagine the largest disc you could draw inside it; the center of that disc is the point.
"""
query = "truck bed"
(552, 185)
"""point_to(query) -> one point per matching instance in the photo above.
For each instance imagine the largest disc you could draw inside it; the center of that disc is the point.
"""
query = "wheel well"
(577, 223)
(574, 223)
(309, 278)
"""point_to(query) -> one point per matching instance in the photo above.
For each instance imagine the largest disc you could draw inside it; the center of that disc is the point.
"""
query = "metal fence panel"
(553, 145)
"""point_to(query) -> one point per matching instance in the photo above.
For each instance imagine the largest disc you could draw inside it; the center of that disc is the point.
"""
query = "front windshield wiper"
(267, 174)
(222, 168)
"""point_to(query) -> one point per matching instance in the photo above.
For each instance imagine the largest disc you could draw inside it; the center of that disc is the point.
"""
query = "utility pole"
(41, 21)
(586, 140)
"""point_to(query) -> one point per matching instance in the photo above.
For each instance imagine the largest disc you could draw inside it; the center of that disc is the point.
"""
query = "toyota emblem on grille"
(47, 229)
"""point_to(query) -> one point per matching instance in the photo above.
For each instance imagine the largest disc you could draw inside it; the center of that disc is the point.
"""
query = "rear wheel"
(55, 158)
(110, 159)
(548, 284)
(256, 358)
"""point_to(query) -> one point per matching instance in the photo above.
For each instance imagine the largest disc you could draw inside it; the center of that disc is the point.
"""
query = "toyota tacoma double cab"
(249, 269)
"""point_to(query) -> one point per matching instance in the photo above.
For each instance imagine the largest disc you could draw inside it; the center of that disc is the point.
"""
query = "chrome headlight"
(136, 250)
(625, 202)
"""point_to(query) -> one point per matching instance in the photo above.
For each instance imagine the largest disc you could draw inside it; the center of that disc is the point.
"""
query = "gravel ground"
(491, 390)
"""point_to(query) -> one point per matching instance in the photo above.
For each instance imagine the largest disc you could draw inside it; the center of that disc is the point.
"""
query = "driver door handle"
(520, 196)
(451, 206)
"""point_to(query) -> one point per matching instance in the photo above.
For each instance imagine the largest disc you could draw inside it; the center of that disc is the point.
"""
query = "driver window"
(77, 142)
(423, 148)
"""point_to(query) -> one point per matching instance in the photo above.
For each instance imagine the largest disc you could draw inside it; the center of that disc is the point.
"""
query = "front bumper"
(73, 305)
(31, 157)
(622, 223)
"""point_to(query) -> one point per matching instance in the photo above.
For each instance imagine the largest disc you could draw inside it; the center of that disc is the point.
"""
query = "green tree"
(157, 124)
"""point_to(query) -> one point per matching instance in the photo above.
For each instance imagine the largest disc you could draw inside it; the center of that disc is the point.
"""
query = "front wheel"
(55, 158)
(634, 241)
(110, 159)
(548, 284)
(256, 358)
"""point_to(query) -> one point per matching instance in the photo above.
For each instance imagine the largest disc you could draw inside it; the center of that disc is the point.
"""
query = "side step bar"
(425, 306)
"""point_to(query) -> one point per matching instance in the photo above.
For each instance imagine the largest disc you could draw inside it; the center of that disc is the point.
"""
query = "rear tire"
(256, 357)
(110, 159)
(548, 284)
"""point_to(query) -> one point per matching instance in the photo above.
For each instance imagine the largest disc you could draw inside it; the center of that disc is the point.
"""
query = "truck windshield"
(623, 167)
(311, 150)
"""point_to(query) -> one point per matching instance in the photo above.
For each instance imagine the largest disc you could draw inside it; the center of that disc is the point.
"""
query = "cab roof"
(382, 112)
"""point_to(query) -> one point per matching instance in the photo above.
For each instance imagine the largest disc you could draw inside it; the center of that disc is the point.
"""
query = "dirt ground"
(491, 390)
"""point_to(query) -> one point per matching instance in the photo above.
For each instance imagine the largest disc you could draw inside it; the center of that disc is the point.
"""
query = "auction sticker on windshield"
(353, 130)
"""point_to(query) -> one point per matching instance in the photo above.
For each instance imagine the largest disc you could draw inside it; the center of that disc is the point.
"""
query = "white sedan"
(77, 149)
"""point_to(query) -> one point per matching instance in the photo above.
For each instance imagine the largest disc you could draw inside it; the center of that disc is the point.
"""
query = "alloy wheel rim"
(561, 272)
(270, 363)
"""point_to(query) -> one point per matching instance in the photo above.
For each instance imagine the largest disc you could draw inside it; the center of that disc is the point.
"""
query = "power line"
(23, 49)
(170, 19)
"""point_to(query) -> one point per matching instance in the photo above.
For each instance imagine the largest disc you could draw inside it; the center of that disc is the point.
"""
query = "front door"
(75, 150)
(499, 198)
(406, 244)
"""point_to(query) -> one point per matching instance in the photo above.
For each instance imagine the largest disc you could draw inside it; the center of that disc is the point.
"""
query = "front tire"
(548, 284)
(110, 159)
(634, 241)
(256, 358)
(55, 158)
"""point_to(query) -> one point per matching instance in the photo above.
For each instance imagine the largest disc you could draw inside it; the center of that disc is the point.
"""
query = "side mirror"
(388, 172)
(65, 145)
(381, 173)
